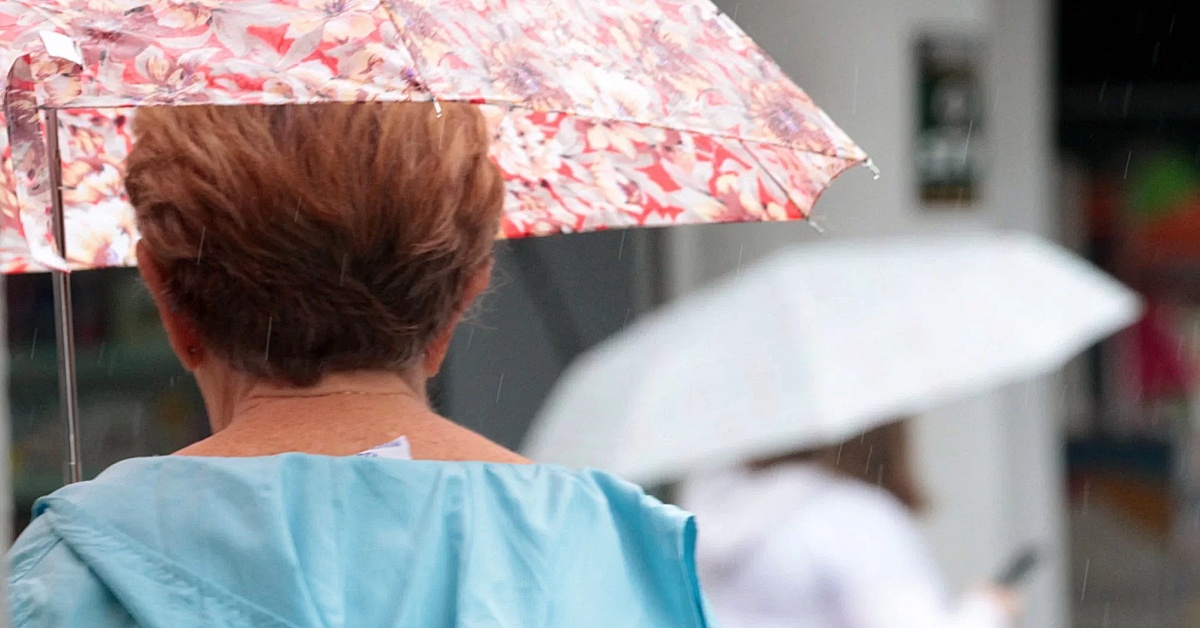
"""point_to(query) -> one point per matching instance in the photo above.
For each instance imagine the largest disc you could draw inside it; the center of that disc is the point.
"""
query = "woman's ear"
(180, 332)
(435, 353)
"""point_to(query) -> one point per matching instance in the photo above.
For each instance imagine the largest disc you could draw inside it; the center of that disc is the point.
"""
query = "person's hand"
(1011, 600)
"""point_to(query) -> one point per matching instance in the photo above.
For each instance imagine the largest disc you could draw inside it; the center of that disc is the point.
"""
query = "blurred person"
(827, 538)
(309, 264)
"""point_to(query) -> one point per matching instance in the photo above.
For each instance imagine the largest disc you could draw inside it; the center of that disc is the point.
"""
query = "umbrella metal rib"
(64, 321)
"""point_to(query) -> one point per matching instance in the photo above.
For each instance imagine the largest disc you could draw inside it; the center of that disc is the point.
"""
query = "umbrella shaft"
(64, 321)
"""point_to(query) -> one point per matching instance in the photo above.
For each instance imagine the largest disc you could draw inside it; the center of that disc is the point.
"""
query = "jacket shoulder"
(50, 587)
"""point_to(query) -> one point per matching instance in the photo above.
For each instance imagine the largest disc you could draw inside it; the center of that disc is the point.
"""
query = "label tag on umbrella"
(61, 46)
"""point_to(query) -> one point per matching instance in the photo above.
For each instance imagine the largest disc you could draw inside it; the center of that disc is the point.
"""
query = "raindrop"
(100, 354)
(470, 337)
(498, 387)
(967, 143)
(1103, 88)
(741, 249)
(33, 344)
(200, 249)
(296, 218)
(628, 311)
(1127, 160)
(854, 96)
(1171, 28)
(1128, 97)
(345, 261)
(621, 249)
(267, 351)
(1087, 566)
(1154, 56)
(138, 426)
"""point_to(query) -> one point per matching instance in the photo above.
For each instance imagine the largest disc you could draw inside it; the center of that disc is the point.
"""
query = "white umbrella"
(823, 342)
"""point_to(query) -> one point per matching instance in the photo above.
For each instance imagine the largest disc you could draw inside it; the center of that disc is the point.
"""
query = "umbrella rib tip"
(869, 164)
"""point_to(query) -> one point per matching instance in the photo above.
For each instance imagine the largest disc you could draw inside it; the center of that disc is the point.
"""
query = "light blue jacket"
(299, 540)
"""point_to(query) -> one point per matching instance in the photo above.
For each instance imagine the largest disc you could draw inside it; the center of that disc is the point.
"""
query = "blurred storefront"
(1129, 125)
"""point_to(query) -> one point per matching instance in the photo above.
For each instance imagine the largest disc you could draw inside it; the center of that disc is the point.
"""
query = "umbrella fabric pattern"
(823, 342)
(604, 115)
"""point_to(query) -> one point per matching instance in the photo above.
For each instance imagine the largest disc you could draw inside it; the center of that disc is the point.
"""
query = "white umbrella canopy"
(823, 342)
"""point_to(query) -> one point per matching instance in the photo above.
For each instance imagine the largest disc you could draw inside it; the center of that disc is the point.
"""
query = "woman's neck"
(340, 416)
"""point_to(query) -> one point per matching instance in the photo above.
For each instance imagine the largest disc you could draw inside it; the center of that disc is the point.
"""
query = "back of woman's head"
(304, 240)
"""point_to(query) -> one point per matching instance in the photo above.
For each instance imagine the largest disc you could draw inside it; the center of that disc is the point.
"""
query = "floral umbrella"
(604, 115)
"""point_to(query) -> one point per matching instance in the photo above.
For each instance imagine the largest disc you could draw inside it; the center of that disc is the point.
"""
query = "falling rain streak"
(267, 351)
(854, 94)
(1087, 567)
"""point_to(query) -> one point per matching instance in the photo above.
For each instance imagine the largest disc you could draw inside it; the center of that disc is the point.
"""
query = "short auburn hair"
(301, 240)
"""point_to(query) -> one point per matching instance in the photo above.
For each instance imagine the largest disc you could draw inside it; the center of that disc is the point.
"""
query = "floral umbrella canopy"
(605, 115)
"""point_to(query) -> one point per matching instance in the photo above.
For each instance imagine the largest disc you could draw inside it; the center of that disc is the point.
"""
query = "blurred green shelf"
(112, 362)
(132, 367)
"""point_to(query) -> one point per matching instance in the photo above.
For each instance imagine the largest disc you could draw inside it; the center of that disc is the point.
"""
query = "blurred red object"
(1174, 237)
(1163, 369)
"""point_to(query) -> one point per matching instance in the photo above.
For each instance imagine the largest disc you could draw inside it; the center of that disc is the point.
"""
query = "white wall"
(992, 464)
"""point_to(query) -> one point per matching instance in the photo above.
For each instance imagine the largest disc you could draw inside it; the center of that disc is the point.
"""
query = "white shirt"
(798, 546)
